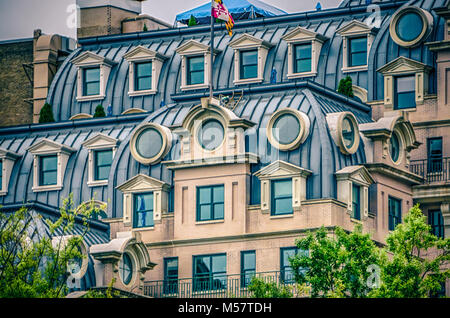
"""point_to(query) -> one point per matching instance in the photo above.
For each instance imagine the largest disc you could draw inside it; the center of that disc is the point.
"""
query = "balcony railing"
(434, 170)
(215, 286)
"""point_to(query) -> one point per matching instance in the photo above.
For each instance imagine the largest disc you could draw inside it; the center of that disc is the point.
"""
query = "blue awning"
(239, 9)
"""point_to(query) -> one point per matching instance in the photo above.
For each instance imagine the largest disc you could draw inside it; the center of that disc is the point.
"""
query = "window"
(434, 148)
(281, 197)
(210, 203)
(405, 92)
(102, 163)
(348, 133)
(126, 269)
(7, 159)
(394, 147)
(210, 272)
(248, 267)
(91, 81)
(143, 210)
(286, 272)
(249, 64)
(143, 76)
(303, 58)
(171, 275)
(48, 171)
(436, 221)
(195, 70)
(211, 134)
(344, 130)
(356, 201)
(150, 143)
(395, 212)
(287, 129)
(357, 54)
(410, 25)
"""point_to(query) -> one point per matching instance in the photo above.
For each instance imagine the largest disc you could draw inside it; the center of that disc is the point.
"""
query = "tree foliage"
(99, 111)
(345, 86)
(33, 265)
(46, 114)
(192, 21)
(261, 289)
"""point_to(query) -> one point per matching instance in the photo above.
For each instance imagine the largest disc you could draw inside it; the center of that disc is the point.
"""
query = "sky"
(18, 18)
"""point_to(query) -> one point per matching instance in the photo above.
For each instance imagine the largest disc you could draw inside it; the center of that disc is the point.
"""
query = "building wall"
(15, 87)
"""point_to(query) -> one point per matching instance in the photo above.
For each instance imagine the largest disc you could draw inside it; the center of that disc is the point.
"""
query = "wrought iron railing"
(215, 286)
(434, 170)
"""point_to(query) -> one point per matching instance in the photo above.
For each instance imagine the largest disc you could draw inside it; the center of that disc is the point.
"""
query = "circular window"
(126, 269)
(410, 25)
(211, 134)
(287, 129)
(348, 133)
(394, 147)
(150, 143)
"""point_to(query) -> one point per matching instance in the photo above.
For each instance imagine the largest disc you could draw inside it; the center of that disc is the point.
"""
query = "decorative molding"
(427, 20)
(7, 159)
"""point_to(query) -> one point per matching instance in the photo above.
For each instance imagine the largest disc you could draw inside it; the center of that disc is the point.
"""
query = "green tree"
(145, 28)
(192, 21)
(46, 114)
(99, 111)
(260, 289)
(345, 86)
(336, 265)
(415, 262)
(38, 267)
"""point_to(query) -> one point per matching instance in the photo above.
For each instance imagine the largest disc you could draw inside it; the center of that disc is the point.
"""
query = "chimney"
(104, 17)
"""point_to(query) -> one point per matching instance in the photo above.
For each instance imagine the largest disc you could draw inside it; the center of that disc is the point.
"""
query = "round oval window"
(395, 147)
(348, 133)
(149, 143)
(409, 26)
(126, 269)
(286, 129)
(211, 134)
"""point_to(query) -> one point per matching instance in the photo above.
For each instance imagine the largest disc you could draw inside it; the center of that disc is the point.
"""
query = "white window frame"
(142, 184)
(7, 158)
(282, 170)
(248, 42)
(98, 142)
(141, 54)
(303, 36)
(47, 147)
(334, 121)
(90, 60)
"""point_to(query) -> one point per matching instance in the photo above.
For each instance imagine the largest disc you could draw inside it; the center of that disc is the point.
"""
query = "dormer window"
(144, 69)
(195, 65)
(357, 39)
(93, 74)
(405, 92)
(250, 54)
(50, 161)
(7, 159)
(101, 153)
(303, 52)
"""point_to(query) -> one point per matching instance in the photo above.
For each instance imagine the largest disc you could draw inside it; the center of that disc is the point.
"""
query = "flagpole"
(212, 54)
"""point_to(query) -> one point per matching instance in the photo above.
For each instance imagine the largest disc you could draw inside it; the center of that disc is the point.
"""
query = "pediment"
(48, 146)
(354, 27)
(359, 174)
(192, 47)
(8, 154)
(302, 34)
(281, 168)
(403, 65)
(142, 182)
(100, 140)
(247, 40)
(141, 53)
(89, 58)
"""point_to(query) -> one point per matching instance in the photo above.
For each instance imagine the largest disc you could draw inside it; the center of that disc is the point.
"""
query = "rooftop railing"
(434, 170)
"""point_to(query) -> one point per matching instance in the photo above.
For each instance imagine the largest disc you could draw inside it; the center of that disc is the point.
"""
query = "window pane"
(204, 195)
(196, 63)
(249, 57)
(218, 211)
(195, 71)
(395, 147)
(211, 134)
(356, 201)
(219, 263)
(348, 132)
(49, 163)
(91, 81)
(144, 69)
(282, 188)
(358, 45)
(405, 100)
(92, 75)
(92, 88)
(249, 64)
(282, 206)
(358, 51)
(49, 178)
(303, 66)
(303, 51)
(143, 210)
(249, 71)
(48, 170)
(286, 129)
(149, 143)
(409, 26)
(102, 173)
(205, 212)
(144, 83)
(405, 84)
(218, 194)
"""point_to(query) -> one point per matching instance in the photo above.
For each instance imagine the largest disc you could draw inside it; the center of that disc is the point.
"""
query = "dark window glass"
(286, 271)
(395, 147)
(143, 76)
(91, 81)
(302, 58)
(210, 203)
(248, 267)
(195, 70)
(171, 275)
(348, 132)
(405, 92)
(249, 64)
(102, 162)
(286, 129)
(210, 272)
(149, 143)
(143, 210)
(434, 154)
(281, 197)
(211, 134)
(409, 27)
(395, 212)
(48, 166)
(357, 54)
(126, 269)
(356, 201)
(436, 221)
